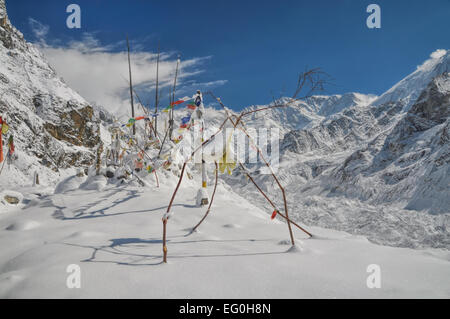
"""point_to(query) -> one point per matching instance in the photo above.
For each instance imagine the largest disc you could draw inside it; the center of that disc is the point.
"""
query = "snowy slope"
(114, 235)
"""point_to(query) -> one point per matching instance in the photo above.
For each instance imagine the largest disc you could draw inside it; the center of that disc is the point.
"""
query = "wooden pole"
(204, 200)
(131, 86)
(157, 89)
(164, 240)
(157, 180)
(166, 218)
(173, 100)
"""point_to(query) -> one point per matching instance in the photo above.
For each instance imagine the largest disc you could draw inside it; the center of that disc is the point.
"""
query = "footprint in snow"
(23, 225)
(231, 226)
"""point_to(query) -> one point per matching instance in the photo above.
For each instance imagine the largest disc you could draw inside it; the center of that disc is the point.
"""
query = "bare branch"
(311, 82)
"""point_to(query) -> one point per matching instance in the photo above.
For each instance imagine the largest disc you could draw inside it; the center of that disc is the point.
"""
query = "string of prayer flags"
(4, 128)
(172, 105)
(167, 109)
(178, 102)
(132, 121)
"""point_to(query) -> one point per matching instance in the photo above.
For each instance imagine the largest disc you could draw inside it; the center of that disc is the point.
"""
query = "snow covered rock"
(201, 195)
(9, 197)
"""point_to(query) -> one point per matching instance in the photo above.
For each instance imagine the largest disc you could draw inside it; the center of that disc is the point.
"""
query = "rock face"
(434, 103)
(74, 127)
(11, 200)
(5, 25)
(54, 128)
(3, 13)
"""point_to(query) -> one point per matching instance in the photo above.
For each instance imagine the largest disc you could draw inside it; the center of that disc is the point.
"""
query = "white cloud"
(39, 30)
(191, 86)
(100, 72)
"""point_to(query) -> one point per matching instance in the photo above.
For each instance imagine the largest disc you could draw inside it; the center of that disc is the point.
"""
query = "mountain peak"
(409, 89)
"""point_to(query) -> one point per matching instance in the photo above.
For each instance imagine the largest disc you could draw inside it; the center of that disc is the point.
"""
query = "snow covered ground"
(113, 233)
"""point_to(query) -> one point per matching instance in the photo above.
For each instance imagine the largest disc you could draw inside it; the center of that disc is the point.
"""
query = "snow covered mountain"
(379, 167)
(375, 166)
(55, 130)
(309, 113)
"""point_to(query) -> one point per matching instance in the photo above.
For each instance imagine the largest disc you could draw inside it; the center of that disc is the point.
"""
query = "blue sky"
(256, 49)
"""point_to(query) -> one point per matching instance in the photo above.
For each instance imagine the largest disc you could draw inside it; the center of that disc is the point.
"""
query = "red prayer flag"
(177, 102)
(1, 148)
(1, 142)
(274, 214)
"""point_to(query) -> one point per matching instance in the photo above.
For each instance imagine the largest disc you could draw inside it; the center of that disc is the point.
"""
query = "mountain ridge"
(55, 130)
